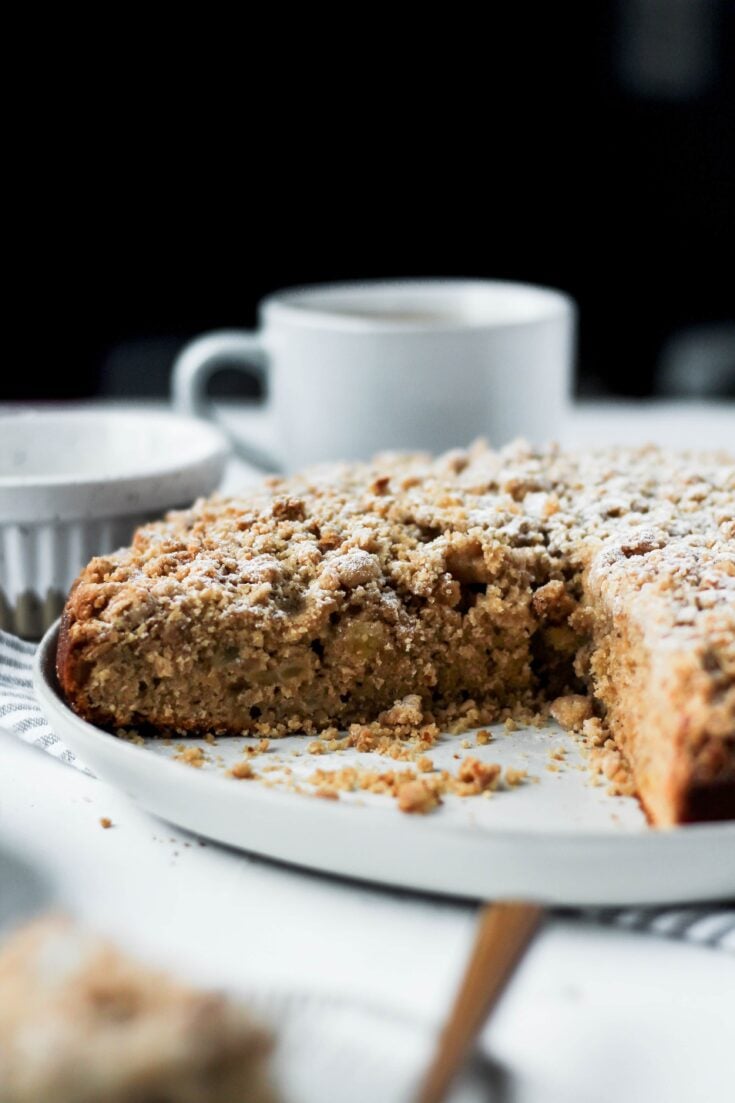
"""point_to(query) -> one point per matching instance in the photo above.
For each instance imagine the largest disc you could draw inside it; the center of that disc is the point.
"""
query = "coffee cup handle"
(198, 362)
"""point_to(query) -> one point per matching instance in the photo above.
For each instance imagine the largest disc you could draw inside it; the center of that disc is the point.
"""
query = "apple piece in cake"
(503, 577)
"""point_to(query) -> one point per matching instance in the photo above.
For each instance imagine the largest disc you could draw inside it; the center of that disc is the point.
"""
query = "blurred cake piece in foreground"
(80, 1022)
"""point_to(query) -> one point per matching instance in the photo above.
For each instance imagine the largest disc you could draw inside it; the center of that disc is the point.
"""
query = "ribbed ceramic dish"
(76, 483)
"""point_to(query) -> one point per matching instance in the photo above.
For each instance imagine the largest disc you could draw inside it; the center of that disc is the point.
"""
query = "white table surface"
(679, 423)
(593, 1014)
(672, 422)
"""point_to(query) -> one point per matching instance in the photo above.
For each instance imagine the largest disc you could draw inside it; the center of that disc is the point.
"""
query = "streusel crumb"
(416, 796)
(242, 771)
(191, 756)
(571, 711)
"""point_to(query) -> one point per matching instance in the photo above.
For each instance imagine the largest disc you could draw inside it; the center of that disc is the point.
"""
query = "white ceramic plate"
(555, 838)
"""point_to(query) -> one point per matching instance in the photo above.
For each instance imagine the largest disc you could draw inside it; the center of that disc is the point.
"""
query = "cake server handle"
(504, 932)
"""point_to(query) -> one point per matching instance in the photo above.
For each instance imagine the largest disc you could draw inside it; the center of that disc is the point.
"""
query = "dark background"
(593, 153)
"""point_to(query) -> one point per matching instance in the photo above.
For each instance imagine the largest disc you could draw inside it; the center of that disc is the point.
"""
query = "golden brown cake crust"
(64, 660)
(492, 576)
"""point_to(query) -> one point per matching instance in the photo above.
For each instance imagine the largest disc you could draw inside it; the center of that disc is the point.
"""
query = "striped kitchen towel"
(19, 711)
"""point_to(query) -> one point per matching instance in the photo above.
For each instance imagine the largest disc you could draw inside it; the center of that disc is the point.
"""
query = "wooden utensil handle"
(503, 932)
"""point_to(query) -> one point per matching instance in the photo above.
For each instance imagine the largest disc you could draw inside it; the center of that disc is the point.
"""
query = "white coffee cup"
(351, 369)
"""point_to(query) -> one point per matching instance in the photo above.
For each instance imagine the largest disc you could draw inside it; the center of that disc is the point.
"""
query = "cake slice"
(80, 1022)
(498, 578)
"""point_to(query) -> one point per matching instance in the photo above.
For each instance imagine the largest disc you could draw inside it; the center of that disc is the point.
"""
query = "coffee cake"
(81, 1022)
(501, 578)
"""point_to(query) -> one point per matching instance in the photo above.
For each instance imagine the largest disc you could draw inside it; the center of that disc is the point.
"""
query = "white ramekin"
(76, 483)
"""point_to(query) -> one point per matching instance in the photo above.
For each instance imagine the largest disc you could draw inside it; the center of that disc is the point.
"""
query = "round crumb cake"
(480, 583)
